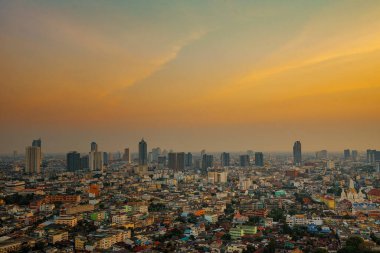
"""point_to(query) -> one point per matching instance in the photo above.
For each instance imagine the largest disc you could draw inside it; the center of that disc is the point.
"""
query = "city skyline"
(134, 149)
(188, 75)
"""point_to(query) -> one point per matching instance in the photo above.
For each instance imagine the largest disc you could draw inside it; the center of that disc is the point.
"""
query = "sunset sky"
(190, 75)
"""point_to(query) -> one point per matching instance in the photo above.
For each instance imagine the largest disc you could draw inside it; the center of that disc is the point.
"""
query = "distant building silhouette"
(126, 156)
(297, 154)
(33, 160)
(244, 160)
(207, 161)
(346, 154)
(143, 152)
(225, 159)
(73, 161)
(94, 146)
(84, 162)
(188, 159)
(259, 159)
(176, 161)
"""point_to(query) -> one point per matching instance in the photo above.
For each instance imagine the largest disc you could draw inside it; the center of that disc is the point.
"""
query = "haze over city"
(188, 75)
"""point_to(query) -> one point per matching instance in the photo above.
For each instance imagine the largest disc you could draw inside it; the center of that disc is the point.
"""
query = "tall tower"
(126, 155)
(94, 146)
(225, 159)
(143, 153)
(37, 143)
(347, 154)
(297, 153)
(244, 160)
(33, 160)
(259, 159)
(73, 162)
(95, 158)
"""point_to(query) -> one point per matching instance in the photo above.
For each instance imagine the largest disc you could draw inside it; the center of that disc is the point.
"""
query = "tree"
(277, 214)
(226, 237)
(353, 244)
(321, 250)
(271, 247)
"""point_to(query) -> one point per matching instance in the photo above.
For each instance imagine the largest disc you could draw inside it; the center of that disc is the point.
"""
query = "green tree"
(321, 250)
(277, 214)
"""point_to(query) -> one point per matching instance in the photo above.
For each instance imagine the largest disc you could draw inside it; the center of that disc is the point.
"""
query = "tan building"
(33, 160)
(70, 221)
(62, 198)
(111, 238)
(80, 242)
(217, 176)
(58, 236)
(79, 209)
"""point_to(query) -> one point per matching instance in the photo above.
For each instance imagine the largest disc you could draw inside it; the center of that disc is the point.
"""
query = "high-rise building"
(96, 161)
(172, 161)
(143, 153)
(225, 159)
(373, 156)
(162, 161)
(126, 157)
(322, 154)
(244, 160)
(105, 158)
(94, 146)
(217, 176)
(38, 143)
(156, 152)
(297, 154)
(347, 154)
(176, 161)
(84, 162)
(207, 161)
(33, 160)
(180, 161)
(354, 155)
(259, 159)
(188, 159)
(73, 161)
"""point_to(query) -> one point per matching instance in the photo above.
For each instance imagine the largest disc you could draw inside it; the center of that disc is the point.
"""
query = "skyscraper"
(207, 161)
(105, 158)
(172, 160)
(33, 160)
(244, 160)
(73, 161)
(346, 154)
(36, 143)
(188, 159)
(126, 155)
(156, 152)
(354, 155)
(259, 159)
(95, 158)
(297, 154)
(373, 156)
(96, 161)
(176, 161)
(94, 146)
(143, 155)
(84, 162)
(322, 154)
(225, 159)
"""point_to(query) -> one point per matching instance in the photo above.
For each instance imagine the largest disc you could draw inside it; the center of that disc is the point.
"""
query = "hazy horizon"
(190, 75)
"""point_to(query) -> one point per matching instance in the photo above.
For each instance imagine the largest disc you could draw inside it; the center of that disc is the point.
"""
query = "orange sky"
(190, 75)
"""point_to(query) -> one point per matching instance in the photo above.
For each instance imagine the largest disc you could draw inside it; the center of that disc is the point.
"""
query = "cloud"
(168, 57)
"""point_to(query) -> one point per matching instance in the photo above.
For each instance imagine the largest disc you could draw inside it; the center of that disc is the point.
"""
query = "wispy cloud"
(169, 56)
